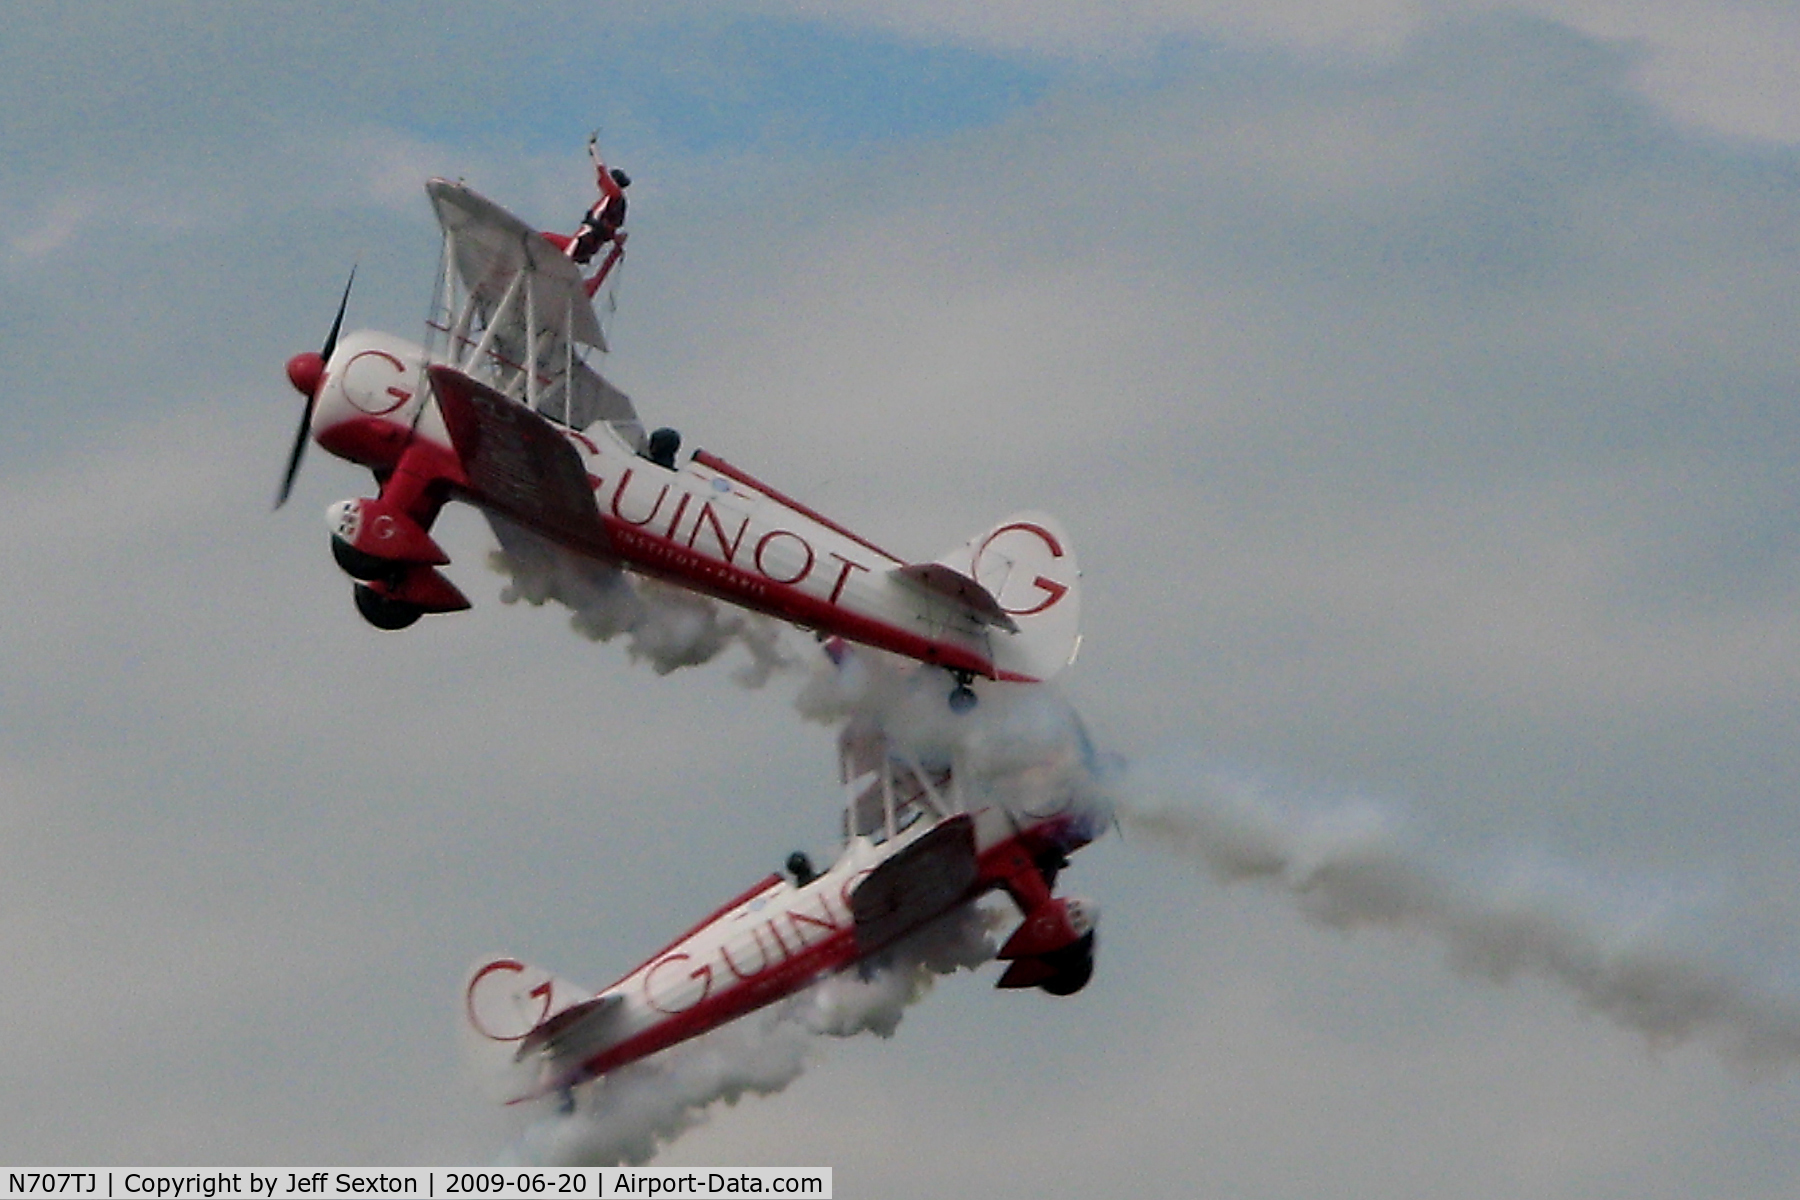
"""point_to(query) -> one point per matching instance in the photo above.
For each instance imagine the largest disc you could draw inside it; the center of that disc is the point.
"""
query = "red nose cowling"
(305, 371)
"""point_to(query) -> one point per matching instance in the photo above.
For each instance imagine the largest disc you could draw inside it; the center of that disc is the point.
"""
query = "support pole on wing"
(531, 345)
(612, 257)
(494, 321)
(568, 347)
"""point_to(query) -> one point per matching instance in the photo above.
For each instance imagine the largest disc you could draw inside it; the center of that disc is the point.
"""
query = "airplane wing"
(490, 247)
(591, 398)
(516, 462)
(519, 313)
(919, 882)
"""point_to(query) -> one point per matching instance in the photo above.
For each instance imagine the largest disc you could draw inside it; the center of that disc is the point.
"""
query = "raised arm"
(609, 187)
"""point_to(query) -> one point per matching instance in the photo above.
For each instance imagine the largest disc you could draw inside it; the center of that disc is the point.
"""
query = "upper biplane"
(923, 838)
(502, 408)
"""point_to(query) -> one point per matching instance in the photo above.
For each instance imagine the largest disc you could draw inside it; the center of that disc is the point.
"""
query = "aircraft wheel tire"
(360, 564)
(962, 699)
(384, 613)
(1074, 966)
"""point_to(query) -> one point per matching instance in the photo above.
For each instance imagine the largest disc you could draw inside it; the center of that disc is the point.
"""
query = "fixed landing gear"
(1071, 967)
(359, 564)
(384, 612)
(962, 696)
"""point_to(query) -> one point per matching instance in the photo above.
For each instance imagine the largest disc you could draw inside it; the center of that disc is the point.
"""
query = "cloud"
(60, 224)
(1423, 418)
(1718, 66)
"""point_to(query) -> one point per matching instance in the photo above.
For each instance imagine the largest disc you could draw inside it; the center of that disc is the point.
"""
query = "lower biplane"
(501, 409)
(921, 840)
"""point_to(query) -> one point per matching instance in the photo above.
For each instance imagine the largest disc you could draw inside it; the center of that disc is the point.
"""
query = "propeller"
(306, 372)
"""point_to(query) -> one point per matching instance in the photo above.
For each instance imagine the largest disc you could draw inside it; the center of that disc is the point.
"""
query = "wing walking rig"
(501, 408)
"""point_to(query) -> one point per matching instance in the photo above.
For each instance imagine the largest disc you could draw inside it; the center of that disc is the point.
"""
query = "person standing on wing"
(603, 222)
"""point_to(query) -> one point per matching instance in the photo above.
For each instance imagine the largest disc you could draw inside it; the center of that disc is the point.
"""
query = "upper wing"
(515, 310)
(919, 882)
(490, 248)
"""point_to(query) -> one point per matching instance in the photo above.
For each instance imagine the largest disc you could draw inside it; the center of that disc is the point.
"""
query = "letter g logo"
(1012, 563)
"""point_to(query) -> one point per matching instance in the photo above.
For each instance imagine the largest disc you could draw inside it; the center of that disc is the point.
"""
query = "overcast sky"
(1416, 381)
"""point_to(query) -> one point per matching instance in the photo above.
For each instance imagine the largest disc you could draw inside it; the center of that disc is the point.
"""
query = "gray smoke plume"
(669, 627)
(1352, 867)
(625, 1117)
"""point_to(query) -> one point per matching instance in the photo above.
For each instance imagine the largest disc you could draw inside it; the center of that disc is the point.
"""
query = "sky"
(1416, 382)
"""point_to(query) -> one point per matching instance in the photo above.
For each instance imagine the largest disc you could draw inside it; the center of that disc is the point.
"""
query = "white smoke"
(1013, 728)
(1352, 867)
(628, 1115)
(667, 626)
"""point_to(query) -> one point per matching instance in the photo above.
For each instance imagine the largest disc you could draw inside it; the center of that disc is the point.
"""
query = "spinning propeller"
(306, 372)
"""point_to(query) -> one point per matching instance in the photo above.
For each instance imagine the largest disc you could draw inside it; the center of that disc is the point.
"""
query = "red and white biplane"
(501, 408)
(919, 844)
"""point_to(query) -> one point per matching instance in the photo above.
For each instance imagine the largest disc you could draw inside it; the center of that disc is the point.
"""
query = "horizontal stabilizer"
(574, 1034)
(958, 588)
(1026, 973)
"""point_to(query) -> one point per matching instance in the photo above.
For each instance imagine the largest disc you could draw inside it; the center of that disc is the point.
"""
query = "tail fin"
(1027, 564)
(512, 1014)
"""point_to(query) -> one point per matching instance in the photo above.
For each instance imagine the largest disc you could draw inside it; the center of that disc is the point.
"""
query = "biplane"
(502, 408)
(919, 844)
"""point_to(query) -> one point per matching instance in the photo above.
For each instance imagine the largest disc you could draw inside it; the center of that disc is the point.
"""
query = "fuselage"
(779, 937)
(699, 522)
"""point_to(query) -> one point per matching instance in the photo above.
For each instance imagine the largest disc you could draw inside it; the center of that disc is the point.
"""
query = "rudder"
(503, 1003)
(1027, 563)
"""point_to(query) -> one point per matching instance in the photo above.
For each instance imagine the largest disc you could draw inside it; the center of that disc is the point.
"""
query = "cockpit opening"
(664, 445)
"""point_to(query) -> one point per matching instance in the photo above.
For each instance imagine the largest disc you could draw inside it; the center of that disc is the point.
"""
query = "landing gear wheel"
(383, 612)
(1073, 966)
(360, 564)
(962, 697)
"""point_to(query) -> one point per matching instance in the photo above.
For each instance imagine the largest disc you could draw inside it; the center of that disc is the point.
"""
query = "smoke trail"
(668, 627)
(628, 1115)
(1352, 868)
